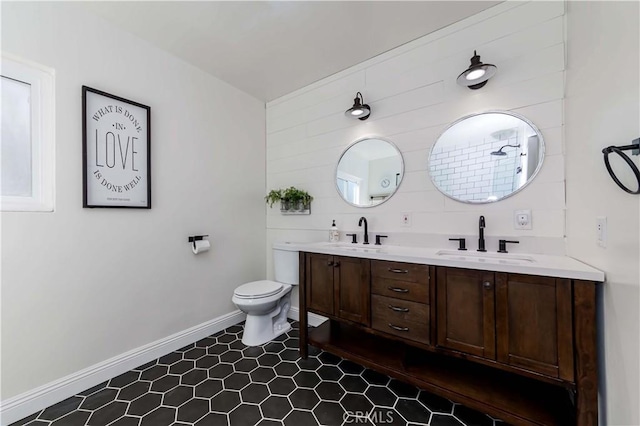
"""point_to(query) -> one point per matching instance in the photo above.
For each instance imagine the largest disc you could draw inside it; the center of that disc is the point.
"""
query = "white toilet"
(267, 303)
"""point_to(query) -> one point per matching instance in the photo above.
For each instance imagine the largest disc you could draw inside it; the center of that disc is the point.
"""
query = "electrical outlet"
(601, 231)
(406, 219)
(522, 219)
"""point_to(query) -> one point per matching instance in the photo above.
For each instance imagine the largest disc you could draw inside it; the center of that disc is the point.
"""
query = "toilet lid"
(257, 289)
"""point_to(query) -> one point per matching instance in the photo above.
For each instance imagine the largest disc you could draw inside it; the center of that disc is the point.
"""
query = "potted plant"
(291, 199)
(297, 199)
(274, 196)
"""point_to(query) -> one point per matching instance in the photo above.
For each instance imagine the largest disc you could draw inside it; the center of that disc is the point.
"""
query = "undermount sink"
(353, 247)
(471, 256)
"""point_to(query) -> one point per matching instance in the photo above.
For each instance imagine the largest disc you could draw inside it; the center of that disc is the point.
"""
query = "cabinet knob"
(487, 284)
(336, 264)
(329, 263)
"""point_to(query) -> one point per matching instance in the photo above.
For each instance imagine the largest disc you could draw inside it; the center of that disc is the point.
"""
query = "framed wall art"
(116, 151)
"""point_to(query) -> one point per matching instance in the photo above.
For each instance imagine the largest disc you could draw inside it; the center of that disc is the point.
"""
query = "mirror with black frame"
(486, 157)
(369, 172)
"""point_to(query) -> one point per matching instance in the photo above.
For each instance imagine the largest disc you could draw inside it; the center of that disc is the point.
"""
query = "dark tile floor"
(218, 381)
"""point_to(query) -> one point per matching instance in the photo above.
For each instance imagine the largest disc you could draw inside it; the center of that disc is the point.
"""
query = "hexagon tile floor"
(218, 381)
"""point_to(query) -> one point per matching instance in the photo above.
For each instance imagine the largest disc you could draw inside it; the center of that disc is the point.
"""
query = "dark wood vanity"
(521, 348)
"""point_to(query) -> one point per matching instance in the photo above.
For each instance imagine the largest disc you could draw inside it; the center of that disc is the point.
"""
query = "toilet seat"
(258, 289)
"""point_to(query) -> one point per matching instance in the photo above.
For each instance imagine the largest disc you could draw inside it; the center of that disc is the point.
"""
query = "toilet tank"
(286, 263)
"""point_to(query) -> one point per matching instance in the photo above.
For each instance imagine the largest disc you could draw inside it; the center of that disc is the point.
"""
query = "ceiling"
(271, 48)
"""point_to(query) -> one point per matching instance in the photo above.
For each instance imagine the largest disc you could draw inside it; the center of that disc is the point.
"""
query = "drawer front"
(393, 310)
(393, 322)
(407, 272)
(412, 291)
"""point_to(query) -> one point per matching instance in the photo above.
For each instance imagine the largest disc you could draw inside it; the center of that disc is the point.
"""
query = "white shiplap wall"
(414, 96)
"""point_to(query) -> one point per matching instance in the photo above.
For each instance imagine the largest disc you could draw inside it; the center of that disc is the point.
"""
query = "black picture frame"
(111, 180)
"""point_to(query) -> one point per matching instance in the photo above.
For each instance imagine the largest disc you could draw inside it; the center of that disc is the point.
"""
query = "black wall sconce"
(477, 75)
(359, 110)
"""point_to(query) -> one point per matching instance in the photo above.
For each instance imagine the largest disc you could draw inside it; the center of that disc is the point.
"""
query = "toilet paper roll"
(200, 246)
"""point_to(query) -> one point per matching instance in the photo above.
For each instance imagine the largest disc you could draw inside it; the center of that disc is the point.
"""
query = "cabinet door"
(466, 311)
(353, 289)
(319, 282)
(533, 323)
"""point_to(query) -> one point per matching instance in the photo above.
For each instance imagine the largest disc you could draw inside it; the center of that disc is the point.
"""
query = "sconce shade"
(359, 110)
(477, 75)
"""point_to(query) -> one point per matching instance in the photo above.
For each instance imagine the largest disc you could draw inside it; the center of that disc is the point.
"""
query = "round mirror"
(369, 172)
(486, 157)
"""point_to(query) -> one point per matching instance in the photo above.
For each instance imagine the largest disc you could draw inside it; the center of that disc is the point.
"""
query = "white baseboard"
(25, 404)
(314, 319)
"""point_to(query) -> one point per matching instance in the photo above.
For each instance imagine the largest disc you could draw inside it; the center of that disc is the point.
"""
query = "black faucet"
(378, 239)
(481, 239)
(502, 245)
(462, 243)
(366, 229)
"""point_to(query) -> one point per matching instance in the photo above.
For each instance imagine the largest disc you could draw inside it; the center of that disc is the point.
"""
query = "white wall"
(414, 96)
(82, 285)
(602, 108)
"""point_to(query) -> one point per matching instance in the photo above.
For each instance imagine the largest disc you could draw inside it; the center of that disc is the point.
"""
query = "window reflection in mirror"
(486, 157)
(369, 172)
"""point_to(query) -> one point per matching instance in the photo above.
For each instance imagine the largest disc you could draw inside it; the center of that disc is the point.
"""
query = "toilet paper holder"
(195, 238)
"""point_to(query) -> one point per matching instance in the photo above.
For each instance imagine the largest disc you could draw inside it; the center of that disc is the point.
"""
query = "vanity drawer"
(392, 309)
(408, 272)
(411, 325)
(412, 291)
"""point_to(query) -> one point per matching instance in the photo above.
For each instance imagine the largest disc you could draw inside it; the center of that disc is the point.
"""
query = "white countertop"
(520, 263)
